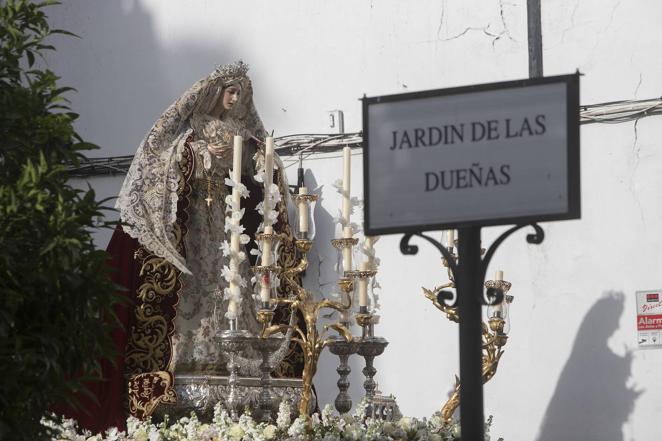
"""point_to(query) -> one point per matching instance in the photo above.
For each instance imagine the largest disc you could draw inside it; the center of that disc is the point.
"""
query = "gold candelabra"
(495, 332)
(309, 338)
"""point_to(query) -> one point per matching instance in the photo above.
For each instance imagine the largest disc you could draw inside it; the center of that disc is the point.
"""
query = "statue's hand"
(220, 151)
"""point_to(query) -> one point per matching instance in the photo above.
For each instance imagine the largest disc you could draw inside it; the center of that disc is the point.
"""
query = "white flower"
(140, 435)
(244, 239)
(284, 411)
(259, 177)
(327, 415)
(269, 432)
(227, 274)
(405, 423)
(238, 214)
(113, 434)
(225, 247)
(154, 435)
(243, 191)
(298, 427)
(236, 432)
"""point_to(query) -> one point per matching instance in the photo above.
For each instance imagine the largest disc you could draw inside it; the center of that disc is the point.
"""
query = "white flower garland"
(234, 214)
(328, 427)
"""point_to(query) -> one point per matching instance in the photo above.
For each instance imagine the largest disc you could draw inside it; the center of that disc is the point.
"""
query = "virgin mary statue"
(172, 207)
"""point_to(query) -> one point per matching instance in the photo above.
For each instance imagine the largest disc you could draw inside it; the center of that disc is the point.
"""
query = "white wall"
(571, 368)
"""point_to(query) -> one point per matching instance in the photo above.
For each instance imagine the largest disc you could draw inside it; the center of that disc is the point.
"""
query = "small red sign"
(649, 322)
(654, 297)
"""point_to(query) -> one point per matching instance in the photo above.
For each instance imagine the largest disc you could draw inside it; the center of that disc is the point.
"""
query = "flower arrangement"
(329, 426)
(234, 214)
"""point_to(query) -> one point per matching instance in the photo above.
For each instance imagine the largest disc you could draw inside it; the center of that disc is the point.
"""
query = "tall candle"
(346, 184)
(268, 177)
(363, 285)
(235, 245)
(347, 251)
(450, 235)
(265, 281)
(303, 211)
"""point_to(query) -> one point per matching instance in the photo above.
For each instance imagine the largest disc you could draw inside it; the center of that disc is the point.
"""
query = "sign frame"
(572, 153)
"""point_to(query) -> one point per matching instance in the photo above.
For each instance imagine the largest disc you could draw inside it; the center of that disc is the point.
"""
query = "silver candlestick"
(343, 349)
(266, 347)
(369, 347)
(234, 342)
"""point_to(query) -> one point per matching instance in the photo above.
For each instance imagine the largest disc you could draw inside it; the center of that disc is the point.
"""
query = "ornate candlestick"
(266, 295)
(494, 332)
(343, 349)
(233, 342)
(369, 347)
(266, 347)
(311, 341)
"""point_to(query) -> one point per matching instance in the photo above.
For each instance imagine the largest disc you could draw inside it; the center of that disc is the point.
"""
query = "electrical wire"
(304, 145)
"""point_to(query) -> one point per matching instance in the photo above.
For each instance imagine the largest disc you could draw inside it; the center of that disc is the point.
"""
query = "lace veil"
(148, 199)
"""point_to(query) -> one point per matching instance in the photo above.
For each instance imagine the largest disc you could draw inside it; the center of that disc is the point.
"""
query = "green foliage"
(56, 297)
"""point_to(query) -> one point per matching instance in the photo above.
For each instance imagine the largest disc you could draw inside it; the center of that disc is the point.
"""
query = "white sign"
(649, 318)
(479, 155)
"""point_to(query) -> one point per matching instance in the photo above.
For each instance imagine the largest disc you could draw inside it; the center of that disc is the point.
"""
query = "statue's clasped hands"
(221, 151)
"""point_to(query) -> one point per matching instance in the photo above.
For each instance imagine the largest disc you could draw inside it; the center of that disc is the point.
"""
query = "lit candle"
(303, 212)
(268, 177)
(363, 285)
(235, 245)
(346, 184)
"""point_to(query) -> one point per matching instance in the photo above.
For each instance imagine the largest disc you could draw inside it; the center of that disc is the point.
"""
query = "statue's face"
(231, 96)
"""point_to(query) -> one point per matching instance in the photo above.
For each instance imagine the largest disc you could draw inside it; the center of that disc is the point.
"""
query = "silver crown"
(232, 72)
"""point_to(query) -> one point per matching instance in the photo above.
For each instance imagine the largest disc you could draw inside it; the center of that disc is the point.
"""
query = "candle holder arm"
(332, 304)
(283, 328)
(450, 310)
(340, 329)
(535, 238)
(408, 249)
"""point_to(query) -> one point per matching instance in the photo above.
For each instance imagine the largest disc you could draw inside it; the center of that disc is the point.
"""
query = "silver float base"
(200, 393)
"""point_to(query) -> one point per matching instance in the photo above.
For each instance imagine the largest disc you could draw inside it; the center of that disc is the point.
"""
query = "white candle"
(303, 211)
(346, 184)
(235, 245)
(499, 308)
(450, 235)
(347, 251)
(233, 309)
(363, 285)
(266, 247)
(268, 177)
(265, 288)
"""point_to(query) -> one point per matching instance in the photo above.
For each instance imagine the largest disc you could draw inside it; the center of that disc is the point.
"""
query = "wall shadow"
(125, 78)
(322, 278)
(592, 400)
